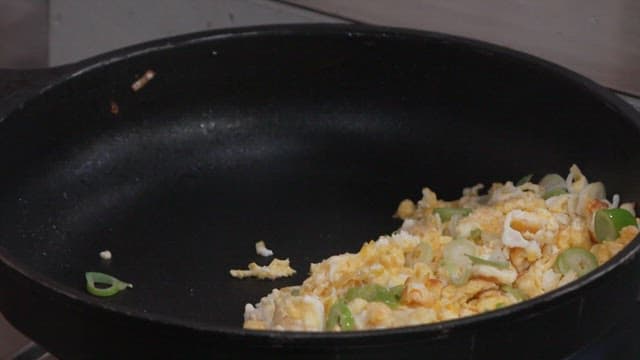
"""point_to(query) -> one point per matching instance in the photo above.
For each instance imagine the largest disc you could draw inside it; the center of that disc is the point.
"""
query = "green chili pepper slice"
(607, 223)
(481, 261)
(375, 292)
(475, 235)
(339, 314)
(525, 179)
(397, 291)
(554, 192)
(115, 285)
(515, 292)
(447, 212)
(578, 260)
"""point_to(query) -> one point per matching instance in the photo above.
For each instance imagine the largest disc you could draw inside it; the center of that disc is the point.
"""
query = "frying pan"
(305, 137)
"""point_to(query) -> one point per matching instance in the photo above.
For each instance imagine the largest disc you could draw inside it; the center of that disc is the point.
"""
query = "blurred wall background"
(599, 39)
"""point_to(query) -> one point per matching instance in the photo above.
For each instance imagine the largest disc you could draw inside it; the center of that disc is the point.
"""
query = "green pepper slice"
(375, 292)
(554, 192)
(447, 212)
(481, 261)
(576, 259)
(397, 291)
(523, 180)
(115, 285)
(339, 314)
(515, 292)
(607, 223)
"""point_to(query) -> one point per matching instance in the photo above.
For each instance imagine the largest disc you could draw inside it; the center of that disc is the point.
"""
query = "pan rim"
(351, 30)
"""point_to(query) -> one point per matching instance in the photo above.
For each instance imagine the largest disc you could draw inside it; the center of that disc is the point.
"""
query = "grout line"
(320, 12)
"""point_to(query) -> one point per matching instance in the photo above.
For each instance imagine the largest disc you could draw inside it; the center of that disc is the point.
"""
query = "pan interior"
(307, 142)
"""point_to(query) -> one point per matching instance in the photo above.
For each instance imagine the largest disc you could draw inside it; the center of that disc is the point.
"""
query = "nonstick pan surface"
(306, 137)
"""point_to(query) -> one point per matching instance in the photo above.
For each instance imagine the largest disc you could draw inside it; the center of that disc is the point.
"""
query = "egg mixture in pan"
(458, 258)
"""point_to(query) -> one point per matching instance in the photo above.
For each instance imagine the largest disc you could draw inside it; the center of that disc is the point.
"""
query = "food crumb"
(114, 108)
(261, 249)
(406, 209)
(105, 255)
(276, 269)
(143, 80)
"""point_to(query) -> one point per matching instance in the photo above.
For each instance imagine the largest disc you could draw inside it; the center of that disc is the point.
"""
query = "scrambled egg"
(453, 258)
(276, 269)
(261, 249)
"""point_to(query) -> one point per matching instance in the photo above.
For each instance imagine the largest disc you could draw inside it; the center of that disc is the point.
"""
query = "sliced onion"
(458, 274)
(453, 224)
(630, 207)
(456, 262)
(456, 251)
(552, 181)
(590, 192)
(422, 253)
(576, 180)
(572, 203)
(615, 201)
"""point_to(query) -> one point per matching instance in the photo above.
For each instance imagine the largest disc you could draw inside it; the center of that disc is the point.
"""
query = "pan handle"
(16, 86)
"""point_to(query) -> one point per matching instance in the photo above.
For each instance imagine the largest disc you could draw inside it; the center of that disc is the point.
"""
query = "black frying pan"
(306, 137)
